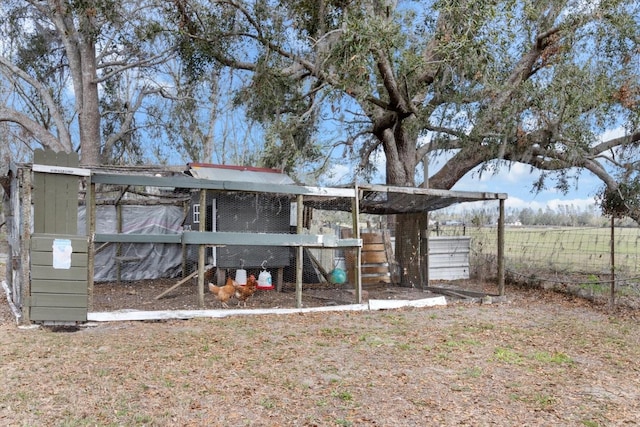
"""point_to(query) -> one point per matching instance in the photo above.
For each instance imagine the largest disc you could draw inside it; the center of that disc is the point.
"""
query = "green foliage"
(621, 201)
(500, 81)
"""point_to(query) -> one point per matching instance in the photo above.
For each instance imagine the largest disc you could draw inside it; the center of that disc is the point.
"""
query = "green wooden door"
(58, 252)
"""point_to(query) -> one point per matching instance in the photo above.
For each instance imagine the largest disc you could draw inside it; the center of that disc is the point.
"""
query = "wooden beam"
(202, 248)
(137, 238)
(355, 212)
(225, 238)
(197, 183)
(90, 218)
(180, 282)
(300, 250)
(64, 170)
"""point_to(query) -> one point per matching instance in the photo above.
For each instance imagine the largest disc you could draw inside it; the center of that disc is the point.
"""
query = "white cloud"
(613, 133)
(577, 203)
(554, 204)
(338, 174)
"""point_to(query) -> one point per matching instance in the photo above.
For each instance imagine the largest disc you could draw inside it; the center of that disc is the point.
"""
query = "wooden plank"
(44, 242)
(67, 204)
(58, 314)
(373, 247)
(65, 170)
(368, 238)
(265, 239)
(58, 300)
(53, 216)
(138, 238)
(73, 273)
(375, 269)
(375, 280)
(39, 192)
(59, 286)
(46, 259)
(231, 239)
(180, 282)
(374, 257)
(196, 183)
(56, 201)
(325, 274)
(25, 216)
(469, 195)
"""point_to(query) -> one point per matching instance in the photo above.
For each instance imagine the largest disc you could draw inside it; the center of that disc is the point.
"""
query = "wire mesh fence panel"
(243, 234)
(152, 250)
(580, 259)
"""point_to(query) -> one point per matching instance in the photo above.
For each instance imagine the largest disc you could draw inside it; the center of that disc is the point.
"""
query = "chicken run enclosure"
(149, 238)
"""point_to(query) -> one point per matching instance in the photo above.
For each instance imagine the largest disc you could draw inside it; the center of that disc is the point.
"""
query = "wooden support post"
(118, 244)
(279, 279)
(201, 247)
(25, 239)
(90, 218)
(355, 211)
(185, 210)
(299, 252)
(424, 241)
(501, 249)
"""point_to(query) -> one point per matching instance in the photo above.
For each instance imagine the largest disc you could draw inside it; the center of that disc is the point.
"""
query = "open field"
(540, 359)
(576, 249)
(571, 259)
(569, 256)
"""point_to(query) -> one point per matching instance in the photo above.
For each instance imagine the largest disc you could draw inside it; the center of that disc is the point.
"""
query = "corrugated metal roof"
(238, 174)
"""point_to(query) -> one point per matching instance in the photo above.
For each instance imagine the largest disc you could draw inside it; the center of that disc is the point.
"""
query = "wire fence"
(581, 260)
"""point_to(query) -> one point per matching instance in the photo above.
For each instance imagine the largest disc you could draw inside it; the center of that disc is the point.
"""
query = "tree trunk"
(89, 115)
(400, 152)
(409, 254)
(79, 40)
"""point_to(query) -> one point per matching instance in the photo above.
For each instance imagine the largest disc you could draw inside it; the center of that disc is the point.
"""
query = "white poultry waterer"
(241, 275)
(264, 279)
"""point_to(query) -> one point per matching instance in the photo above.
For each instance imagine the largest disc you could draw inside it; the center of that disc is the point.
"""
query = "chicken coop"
(152, 239)
(241, 212)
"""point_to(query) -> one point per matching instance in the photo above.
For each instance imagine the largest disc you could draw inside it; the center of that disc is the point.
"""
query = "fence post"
(612, 296)
(202, 247)
(501, 249)
(299, 249)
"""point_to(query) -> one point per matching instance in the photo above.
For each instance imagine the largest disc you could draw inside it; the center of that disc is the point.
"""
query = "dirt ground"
(539, 358)
(143, 295)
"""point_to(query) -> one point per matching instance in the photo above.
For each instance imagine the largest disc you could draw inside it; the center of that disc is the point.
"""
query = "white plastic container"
(264, 280)
(241, 276)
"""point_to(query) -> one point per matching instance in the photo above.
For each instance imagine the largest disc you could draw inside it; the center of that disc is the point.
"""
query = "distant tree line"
(562, 216)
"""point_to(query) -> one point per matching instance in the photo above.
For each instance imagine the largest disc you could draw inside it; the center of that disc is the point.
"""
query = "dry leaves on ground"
(539, 359)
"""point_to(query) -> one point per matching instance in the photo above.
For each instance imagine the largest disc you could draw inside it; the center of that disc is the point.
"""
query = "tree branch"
(64, 141)
(36, 129)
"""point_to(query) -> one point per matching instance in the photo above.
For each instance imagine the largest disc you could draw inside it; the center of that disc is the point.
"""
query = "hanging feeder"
(264, 278)
(241, 274)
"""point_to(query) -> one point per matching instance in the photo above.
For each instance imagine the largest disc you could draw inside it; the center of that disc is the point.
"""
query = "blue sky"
(517, 182)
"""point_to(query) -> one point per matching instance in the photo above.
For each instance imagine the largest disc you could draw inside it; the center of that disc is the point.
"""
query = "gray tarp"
(153, 260)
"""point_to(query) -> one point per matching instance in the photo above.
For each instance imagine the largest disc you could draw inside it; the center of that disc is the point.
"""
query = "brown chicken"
(210, 274)
(243, 292)
(224, 293)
